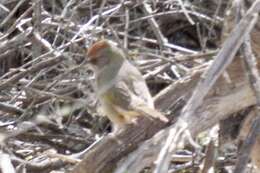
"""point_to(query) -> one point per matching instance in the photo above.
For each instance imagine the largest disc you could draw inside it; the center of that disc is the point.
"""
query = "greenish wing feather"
(130, 90)
(141, 90)
(120, 96)
(138, 87)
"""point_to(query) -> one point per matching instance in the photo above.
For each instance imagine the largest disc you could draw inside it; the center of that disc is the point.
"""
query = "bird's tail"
(152, 113)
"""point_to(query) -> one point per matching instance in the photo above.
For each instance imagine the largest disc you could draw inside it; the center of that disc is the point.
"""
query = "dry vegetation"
(48, 110)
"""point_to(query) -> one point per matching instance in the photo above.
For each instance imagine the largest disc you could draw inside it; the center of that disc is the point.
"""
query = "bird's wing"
(140, 89)
(119, 95)
(137, 85)
(127, 103)
(130, 95)
(141, 99)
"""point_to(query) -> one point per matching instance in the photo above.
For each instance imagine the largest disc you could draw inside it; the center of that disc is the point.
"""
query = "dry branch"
(253, 76)
(36, 68)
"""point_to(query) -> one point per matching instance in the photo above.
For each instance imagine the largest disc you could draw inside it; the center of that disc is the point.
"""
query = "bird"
(119, 85)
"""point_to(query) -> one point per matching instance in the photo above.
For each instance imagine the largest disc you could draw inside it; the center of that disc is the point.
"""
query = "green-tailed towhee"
(120, 87)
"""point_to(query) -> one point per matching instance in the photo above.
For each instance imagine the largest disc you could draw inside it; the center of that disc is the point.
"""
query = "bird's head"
(103, 53)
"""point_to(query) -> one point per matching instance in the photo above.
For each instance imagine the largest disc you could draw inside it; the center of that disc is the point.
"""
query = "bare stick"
(253, 75)
(223, 59)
